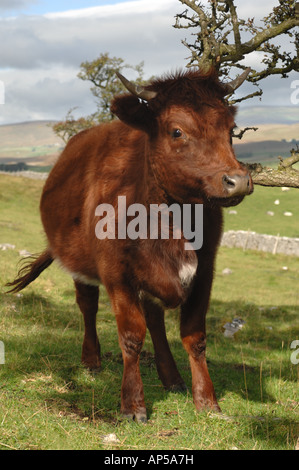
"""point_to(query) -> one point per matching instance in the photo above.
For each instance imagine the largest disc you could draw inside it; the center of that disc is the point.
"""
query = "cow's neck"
(154, 192)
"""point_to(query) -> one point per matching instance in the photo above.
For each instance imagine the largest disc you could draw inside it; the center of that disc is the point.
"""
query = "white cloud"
(15, 4)
(44, 94)
(53, 46)
(41, 55)
(127, 8)
(136, 31)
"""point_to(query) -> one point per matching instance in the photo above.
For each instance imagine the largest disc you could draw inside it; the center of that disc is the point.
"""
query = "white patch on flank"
(187, 273)
(84, 279)
(79, 277)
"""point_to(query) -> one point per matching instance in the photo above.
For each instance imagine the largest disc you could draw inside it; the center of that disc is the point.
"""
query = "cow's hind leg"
(166, 366)
(87, 298)
(131, 333)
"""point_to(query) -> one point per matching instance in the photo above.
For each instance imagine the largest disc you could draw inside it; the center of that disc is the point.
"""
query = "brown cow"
(171, 144)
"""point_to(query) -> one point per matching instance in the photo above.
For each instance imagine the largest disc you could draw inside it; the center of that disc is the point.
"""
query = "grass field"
(49, 401)
(252, 213)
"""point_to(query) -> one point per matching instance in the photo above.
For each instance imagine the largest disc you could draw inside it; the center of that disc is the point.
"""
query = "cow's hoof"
(180, 387)
(92, 365)
(139, 417)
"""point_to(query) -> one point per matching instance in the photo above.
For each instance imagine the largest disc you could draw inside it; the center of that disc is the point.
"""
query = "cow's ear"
(134, 112)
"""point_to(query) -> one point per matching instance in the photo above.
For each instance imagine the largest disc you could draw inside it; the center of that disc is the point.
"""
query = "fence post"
(275, 245)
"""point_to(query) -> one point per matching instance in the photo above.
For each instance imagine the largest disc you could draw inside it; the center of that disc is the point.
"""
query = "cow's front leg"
(193, 334)
(131, 332)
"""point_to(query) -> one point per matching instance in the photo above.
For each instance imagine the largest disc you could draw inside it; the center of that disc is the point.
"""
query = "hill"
(26, 134)
(30, 142)
(264, 151)
(278, 132)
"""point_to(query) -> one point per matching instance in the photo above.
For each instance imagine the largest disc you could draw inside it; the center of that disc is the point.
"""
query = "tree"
(101, 73)
(223, 40)
(219, 23)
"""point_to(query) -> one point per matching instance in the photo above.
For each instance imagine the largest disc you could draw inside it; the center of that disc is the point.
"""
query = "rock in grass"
(226, 271)
(231, 328)
(111, 439)
(6, 246)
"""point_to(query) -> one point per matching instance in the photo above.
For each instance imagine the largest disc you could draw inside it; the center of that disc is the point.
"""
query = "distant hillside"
(272, 132)
(266, 151)
(30, 142)
(25, 134)
(35, 143)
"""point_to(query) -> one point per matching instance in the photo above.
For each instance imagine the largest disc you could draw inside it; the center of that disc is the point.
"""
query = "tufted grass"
(49, 401)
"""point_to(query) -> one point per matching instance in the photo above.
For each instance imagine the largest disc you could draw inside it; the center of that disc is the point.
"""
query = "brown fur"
(139, 157)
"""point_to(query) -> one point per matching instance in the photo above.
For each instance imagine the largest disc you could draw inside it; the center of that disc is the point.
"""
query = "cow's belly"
(82, 277)
(169, 282)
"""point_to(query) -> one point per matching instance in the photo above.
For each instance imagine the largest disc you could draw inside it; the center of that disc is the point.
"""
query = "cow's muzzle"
(237, 185)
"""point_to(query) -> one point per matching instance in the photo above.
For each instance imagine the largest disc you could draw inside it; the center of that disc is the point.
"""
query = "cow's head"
(190, 129)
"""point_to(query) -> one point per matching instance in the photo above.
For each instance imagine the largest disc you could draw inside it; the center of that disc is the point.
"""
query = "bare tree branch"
(242, 132)
(211, 50)
(284, 175)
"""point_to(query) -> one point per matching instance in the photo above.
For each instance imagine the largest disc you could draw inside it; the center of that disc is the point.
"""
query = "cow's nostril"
(236, 185)
(228, 183)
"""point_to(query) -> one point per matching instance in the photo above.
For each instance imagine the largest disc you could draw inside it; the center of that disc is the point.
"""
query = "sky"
(44, 42)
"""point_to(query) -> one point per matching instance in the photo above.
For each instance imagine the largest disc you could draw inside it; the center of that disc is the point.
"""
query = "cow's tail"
(33, 267)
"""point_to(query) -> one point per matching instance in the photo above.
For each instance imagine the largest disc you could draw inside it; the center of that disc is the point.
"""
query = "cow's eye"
(176, 133)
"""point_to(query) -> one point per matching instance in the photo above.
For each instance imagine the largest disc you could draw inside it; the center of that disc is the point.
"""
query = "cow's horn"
(234, 84)
(136, 89)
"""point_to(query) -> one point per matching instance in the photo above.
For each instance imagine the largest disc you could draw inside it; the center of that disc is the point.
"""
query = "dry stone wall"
(256, 241)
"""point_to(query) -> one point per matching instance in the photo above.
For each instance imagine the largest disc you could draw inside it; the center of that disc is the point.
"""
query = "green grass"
(49, 401)
(252, 213)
